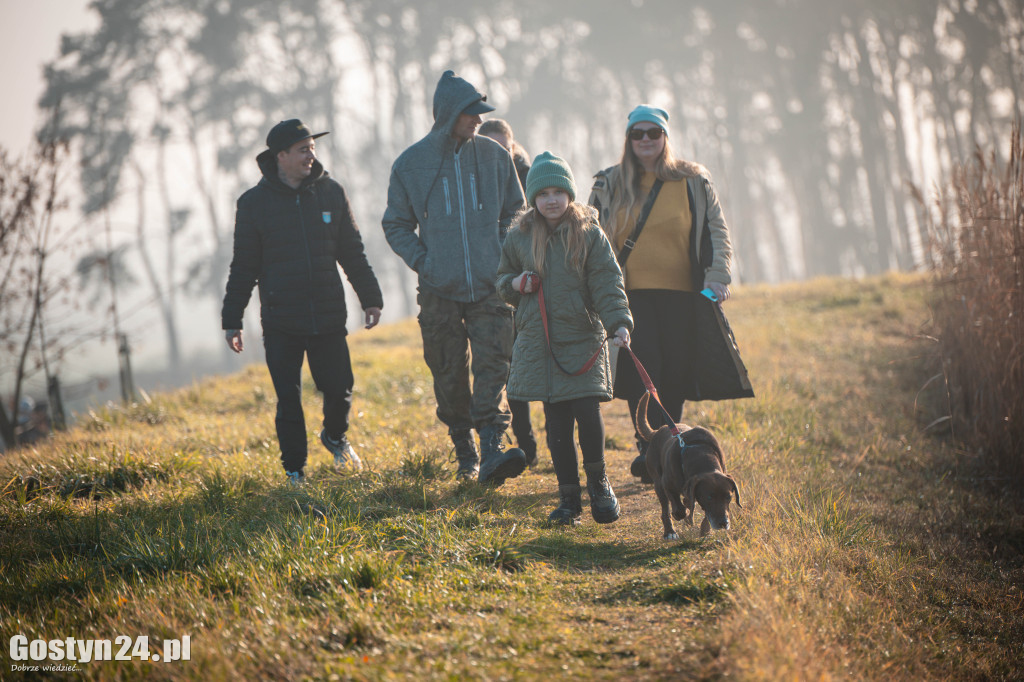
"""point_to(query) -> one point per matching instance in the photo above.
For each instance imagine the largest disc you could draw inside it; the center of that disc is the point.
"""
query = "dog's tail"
(640, 418)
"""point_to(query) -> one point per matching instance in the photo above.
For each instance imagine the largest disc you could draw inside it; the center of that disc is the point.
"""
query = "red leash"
(534, 279)
(649, 385)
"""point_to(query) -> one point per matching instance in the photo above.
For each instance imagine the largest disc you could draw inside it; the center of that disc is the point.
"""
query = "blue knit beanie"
(549, 171)
(645, 112)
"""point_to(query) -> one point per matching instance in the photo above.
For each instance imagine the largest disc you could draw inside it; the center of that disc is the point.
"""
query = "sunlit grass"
(860, 551)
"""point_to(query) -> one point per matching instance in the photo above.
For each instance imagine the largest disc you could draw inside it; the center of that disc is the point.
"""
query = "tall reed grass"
(977, 241)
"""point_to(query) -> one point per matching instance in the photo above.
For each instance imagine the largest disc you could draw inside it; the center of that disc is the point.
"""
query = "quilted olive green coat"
(582, 308)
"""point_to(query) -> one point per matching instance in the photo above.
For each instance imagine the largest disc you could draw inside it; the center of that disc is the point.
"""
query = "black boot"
(522, 429)
(603, 505)
(465, 454)
(639, 465)
(497, 464)
(530, 452)
(570, 506)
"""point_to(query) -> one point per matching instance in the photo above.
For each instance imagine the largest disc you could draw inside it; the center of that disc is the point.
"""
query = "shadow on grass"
(55, 547)
(681, 590)
(582, 553)
(65, 549)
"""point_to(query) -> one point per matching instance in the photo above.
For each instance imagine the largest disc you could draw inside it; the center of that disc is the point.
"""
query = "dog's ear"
(690, 492)
(735, 489)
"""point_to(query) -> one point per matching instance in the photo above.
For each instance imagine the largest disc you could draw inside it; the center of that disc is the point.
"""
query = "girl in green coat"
(558, 249)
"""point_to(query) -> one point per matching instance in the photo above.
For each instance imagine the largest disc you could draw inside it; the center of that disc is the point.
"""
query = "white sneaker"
(344, 456)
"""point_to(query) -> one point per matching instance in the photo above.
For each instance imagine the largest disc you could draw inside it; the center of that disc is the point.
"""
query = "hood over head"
(451, 97)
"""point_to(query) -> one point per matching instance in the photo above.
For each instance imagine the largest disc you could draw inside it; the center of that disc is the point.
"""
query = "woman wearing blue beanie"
(559, 272)
(663, 217)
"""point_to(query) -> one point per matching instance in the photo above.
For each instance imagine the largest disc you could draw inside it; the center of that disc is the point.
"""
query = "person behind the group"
(291, 232)
(684, 248)
(460, 191)
(557, 254)
(501, 132)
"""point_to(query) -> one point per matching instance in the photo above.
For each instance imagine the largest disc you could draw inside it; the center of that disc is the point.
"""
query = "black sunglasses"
(651, 133)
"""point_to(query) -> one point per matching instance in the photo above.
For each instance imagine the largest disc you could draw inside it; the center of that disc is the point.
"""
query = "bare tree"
(32, 290)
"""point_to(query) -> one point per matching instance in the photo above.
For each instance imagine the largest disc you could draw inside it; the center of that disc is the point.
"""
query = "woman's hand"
(722, 292)
(523, 283)
(621, 338)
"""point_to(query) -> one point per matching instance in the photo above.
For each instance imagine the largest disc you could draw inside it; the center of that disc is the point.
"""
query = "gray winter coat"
(582, 311)
(462, 202)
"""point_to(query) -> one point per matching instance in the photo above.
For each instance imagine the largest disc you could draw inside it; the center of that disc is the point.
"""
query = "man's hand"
(722, 292)
(372, 317)
(621, 338)
(234, 338)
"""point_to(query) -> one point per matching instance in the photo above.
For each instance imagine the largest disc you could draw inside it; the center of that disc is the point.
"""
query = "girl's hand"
(523, 283)
(722, 292)
(621, 338)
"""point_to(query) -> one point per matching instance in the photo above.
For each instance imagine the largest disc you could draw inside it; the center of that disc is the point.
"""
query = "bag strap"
(628, 246)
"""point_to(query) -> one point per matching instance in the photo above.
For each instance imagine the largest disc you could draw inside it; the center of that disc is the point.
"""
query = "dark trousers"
(561, 418)
(521, 426)
(331, 368)
(664, 342)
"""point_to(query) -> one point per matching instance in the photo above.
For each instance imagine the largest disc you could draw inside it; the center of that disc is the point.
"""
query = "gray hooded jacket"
(463, 202)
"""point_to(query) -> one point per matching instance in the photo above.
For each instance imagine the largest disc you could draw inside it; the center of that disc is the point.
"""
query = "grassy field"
(867, 547)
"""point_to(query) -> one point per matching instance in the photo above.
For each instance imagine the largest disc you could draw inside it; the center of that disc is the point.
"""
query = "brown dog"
(694, 472)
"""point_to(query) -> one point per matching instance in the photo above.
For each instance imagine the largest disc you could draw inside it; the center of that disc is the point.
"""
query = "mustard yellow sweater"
(661, 259)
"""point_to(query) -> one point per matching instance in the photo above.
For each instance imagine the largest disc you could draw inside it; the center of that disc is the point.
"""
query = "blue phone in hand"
(710, 295)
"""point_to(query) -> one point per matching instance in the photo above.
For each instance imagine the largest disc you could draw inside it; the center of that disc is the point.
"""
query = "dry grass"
(978, 255)
(862, 550)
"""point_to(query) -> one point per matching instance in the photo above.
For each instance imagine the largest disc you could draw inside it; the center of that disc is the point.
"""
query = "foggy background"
(813, 117)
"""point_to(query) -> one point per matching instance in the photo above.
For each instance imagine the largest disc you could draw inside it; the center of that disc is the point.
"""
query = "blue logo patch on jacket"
(327, 217)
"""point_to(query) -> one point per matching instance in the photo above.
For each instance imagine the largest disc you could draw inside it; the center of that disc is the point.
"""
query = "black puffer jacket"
(290, 242)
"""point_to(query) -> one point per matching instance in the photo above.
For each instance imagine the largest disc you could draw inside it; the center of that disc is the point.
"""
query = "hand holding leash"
(526, 283)
(621, 338)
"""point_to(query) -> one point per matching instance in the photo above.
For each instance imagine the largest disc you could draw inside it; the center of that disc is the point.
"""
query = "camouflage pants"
(458, 337)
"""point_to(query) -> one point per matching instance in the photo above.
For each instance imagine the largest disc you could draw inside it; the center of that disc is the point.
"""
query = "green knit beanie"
(549, 171)
(645, 112)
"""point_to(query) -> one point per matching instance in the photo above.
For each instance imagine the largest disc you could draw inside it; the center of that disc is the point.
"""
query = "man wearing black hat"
(292, 230)
(460, 191)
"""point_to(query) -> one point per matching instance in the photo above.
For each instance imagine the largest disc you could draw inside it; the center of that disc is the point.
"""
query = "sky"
(31, 37)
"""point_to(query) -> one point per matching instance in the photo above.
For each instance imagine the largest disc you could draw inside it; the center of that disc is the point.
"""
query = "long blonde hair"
(625, 193)
(578, 217)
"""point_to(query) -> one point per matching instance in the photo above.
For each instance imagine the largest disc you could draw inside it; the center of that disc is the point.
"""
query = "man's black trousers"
(331, 367)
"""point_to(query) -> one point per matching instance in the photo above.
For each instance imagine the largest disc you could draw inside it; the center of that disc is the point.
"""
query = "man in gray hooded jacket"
(461, 191)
